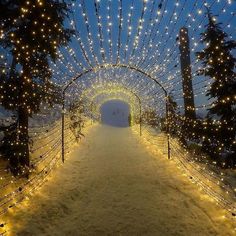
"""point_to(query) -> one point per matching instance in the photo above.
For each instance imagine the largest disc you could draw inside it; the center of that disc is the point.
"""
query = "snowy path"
(112, 185)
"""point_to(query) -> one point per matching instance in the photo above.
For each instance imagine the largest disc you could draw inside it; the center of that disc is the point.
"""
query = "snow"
(113, 184)
(115, 113)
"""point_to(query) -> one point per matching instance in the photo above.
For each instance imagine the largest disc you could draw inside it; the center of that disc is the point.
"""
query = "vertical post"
(140, 112)
(140, 118)
(63, 128)
(167, 118)
(91, 112)
(167, 125)
(186, 74)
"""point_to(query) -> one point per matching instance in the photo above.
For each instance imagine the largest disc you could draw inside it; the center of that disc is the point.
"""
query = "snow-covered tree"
(31, 32)
(219, 64)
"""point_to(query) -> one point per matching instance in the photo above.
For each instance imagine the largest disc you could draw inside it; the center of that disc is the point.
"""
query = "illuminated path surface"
(112, 185)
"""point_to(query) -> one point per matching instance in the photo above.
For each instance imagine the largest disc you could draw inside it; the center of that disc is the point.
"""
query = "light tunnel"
(141, 53)
(115, 78)
(96, 97)
(100, 94)
(111, 77)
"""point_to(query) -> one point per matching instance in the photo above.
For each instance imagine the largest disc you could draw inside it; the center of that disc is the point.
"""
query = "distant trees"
(77, 114)
(219, 64)
(150, 117)
(177, 123)
(174, 122)
(31, 32)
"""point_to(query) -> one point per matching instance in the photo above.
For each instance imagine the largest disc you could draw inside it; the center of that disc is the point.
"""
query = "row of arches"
(135, 97)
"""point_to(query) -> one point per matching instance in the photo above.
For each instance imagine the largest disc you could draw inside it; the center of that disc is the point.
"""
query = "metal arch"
(140, 105)
(119, 89)
(118, 95)
(106, 66)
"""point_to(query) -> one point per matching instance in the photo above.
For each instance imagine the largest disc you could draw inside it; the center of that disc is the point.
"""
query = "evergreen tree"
(219, 64)
(31, 31)
(77, 118)
(150, 117)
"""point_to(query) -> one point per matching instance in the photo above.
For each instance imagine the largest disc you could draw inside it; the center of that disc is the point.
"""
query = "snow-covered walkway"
(112, 185)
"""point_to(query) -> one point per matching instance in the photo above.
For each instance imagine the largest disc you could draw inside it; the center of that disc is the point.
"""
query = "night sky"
(143, 34)
(161, 22)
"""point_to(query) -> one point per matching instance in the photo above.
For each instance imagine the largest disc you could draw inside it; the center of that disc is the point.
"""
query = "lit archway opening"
(116, 113)
(109, 66)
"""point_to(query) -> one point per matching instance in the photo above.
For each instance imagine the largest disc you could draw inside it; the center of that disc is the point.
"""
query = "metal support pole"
(137, 70)
(91, 112)
(63, 129)
(140, 118)
(140, 112)
(167, 126)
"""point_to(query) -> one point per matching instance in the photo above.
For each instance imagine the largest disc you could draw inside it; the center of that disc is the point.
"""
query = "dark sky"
(155, 50)
(159, 30)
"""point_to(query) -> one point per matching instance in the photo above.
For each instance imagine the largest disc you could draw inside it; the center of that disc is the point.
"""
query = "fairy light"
(207, 181)
(149, 30)
(140, 29)
(155, 31)
(129, 29)
(100, 35)
(109, 28)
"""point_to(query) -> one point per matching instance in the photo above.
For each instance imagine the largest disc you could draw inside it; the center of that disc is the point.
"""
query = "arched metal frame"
(107, 66)
(140, 107)
(120, 90)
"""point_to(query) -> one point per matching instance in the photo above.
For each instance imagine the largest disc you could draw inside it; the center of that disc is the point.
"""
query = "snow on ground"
(112, 185)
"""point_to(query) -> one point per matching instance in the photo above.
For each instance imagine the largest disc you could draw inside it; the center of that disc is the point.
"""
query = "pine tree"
(219, 64)
(150, 117)
(77, 113)
(31, 31)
